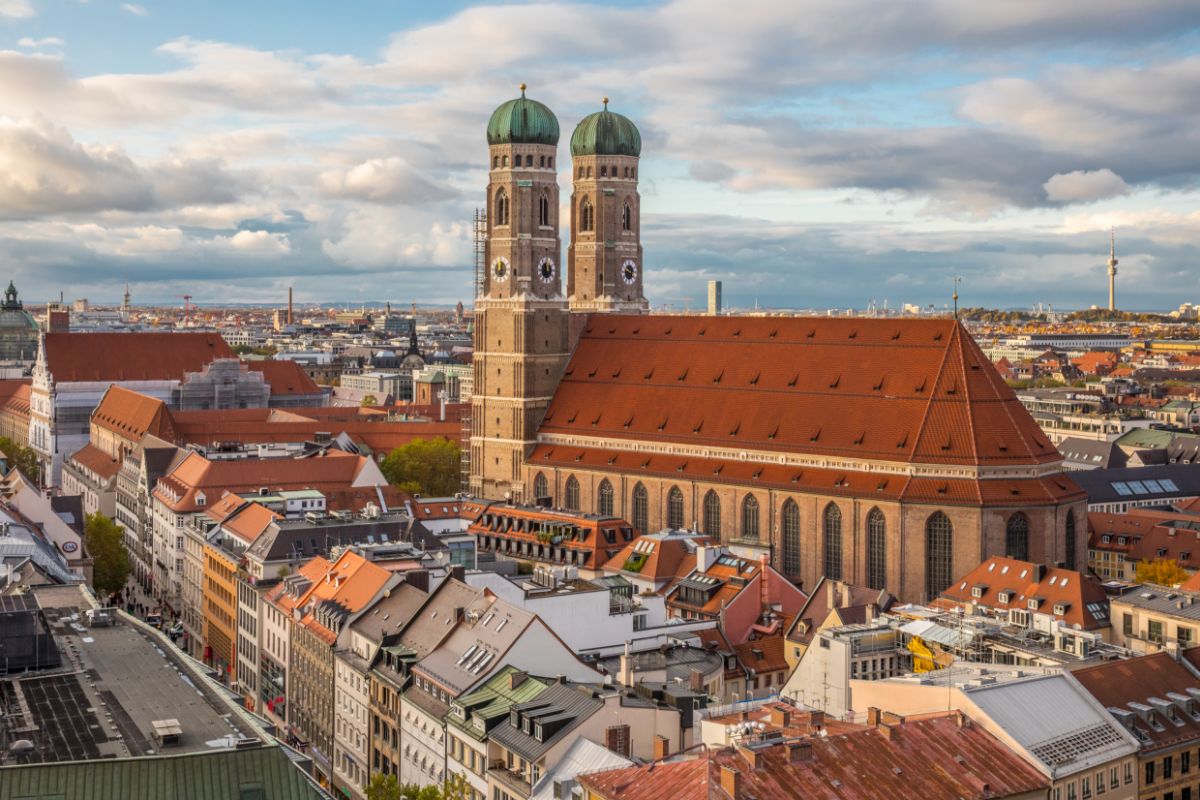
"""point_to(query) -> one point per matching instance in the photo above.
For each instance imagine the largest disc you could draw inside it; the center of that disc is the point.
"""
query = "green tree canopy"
(387, 787)
(1163, 571)
(429, 467)
(23, 458)
(104, 540)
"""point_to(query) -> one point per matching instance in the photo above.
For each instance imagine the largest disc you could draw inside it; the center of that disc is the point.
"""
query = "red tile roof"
(334, 471)
(1142, 680)
(131, 356)
(1086, 604)
(96, 460)
(132, 415)
(938, 757)
(892, 390)
(526, 531)
(285, 377)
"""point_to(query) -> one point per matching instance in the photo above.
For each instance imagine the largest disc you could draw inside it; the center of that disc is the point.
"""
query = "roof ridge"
(958, 332)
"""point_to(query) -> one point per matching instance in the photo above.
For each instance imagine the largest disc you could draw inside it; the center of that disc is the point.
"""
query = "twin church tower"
(525, 323)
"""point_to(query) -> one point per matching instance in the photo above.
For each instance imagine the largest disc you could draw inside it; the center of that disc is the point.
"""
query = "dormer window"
(1005, 596)
(978, 590)
(1033, 603)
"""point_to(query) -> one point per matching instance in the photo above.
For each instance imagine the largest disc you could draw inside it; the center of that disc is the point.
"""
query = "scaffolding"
(479, 240)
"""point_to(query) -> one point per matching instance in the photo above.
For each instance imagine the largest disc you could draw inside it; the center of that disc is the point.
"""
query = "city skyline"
(825, 160)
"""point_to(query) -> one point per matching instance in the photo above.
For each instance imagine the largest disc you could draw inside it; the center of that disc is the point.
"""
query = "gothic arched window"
(571, 498)
(501, 207)
(876, 549)
(587, 215)
(939, 554)
(627, 217)
(544, 210)
(712, 515)
(675, 509)
(604, 499)
(641, 509)
(750, 517)
(1069, 559)
(540, 487)
(529, 160)
(791, 538)
(833, 542)
(1016, 537)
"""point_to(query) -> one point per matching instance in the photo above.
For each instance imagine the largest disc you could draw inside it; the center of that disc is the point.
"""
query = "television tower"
(1112, 270)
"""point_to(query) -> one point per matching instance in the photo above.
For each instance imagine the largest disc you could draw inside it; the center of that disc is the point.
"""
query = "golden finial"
(522, 90)
(606, 104)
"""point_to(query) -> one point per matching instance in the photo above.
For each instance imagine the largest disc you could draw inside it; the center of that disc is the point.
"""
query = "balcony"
(513, 780)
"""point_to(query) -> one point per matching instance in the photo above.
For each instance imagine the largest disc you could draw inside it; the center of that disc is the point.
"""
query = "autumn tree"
(387, 787)
(1162, 571)
(104, 541)
(429, 467)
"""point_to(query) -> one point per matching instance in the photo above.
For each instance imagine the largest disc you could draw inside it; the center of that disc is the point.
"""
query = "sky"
(807, 153)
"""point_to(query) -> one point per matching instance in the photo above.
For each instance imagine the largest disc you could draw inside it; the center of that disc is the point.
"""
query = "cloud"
(260, 243)
(44, 171)
(49, 41)
(135, 9)
(1082, 186)
(17, 9)
(389, 181)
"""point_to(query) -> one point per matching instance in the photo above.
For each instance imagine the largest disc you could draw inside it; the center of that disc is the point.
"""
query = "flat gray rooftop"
(115, 681)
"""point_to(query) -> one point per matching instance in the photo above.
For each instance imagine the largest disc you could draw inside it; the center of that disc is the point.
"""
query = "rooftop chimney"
(800, 752)
(516, 678)
(731, 782)
(662, 747)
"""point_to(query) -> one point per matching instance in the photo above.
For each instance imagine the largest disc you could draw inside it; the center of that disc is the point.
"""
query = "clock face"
(500, 269)
(629, 271)
(546, 269)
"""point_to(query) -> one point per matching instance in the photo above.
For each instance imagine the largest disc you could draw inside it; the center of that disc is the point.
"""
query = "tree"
(430, 467)
(104, 541)
(23, 458)
(387, 787)
(370, 400)
(1162, 571)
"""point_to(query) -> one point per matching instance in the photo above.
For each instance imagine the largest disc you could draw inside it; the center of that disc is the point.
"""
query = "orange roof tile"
(1117, 684)
(1083, 599)
(132, 415)
(250, 523)
(285, 377)
(893, 390)
(96, 460)
(131, 356)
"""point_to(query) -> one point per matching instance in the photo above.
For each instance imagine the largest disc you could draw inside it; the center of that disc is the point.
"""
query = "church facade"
(884, 452)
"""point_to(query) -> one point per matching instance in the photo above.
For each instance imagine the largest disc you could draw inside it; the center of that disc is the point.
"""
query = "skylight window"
(1153, 486)
(1138, 487)
(1004, 570)
(1168, 485)
(1122, 488)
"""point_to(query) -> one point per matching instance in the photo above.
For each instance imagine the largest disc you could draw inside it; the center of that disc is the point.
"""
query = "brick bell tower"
(605, 255)
(521, 319)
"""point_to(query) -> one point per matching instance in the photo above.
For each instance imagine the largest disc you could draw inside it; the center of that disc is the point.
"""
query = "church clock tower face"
(629, 271)
(500, 269)
(546, 270)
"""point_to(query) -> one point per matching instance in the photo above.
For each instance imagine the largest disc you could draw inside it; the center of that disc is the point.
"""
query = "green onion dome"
(522, 121)
(606, 133)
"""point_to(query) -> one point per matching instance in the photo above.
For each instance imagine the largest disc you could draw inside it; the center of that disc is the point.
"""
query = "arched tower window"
(604, 499)
(939, 554)
(675, 508)
(833, 542)
(1016, 537)
(540, 487)
(790, 524)
(627, 217)
(712, 515)
(587, 215)
(1069, 541)
(501, 207)
(641, 509)
(876, 549)
(750, 518)
(571, 498)
(544, 210)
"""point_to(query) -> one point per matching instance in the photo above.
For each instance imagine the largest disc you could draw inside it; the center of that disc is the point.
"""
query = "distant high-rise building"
(714, 298)
(458, 313)
(1112, 270)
